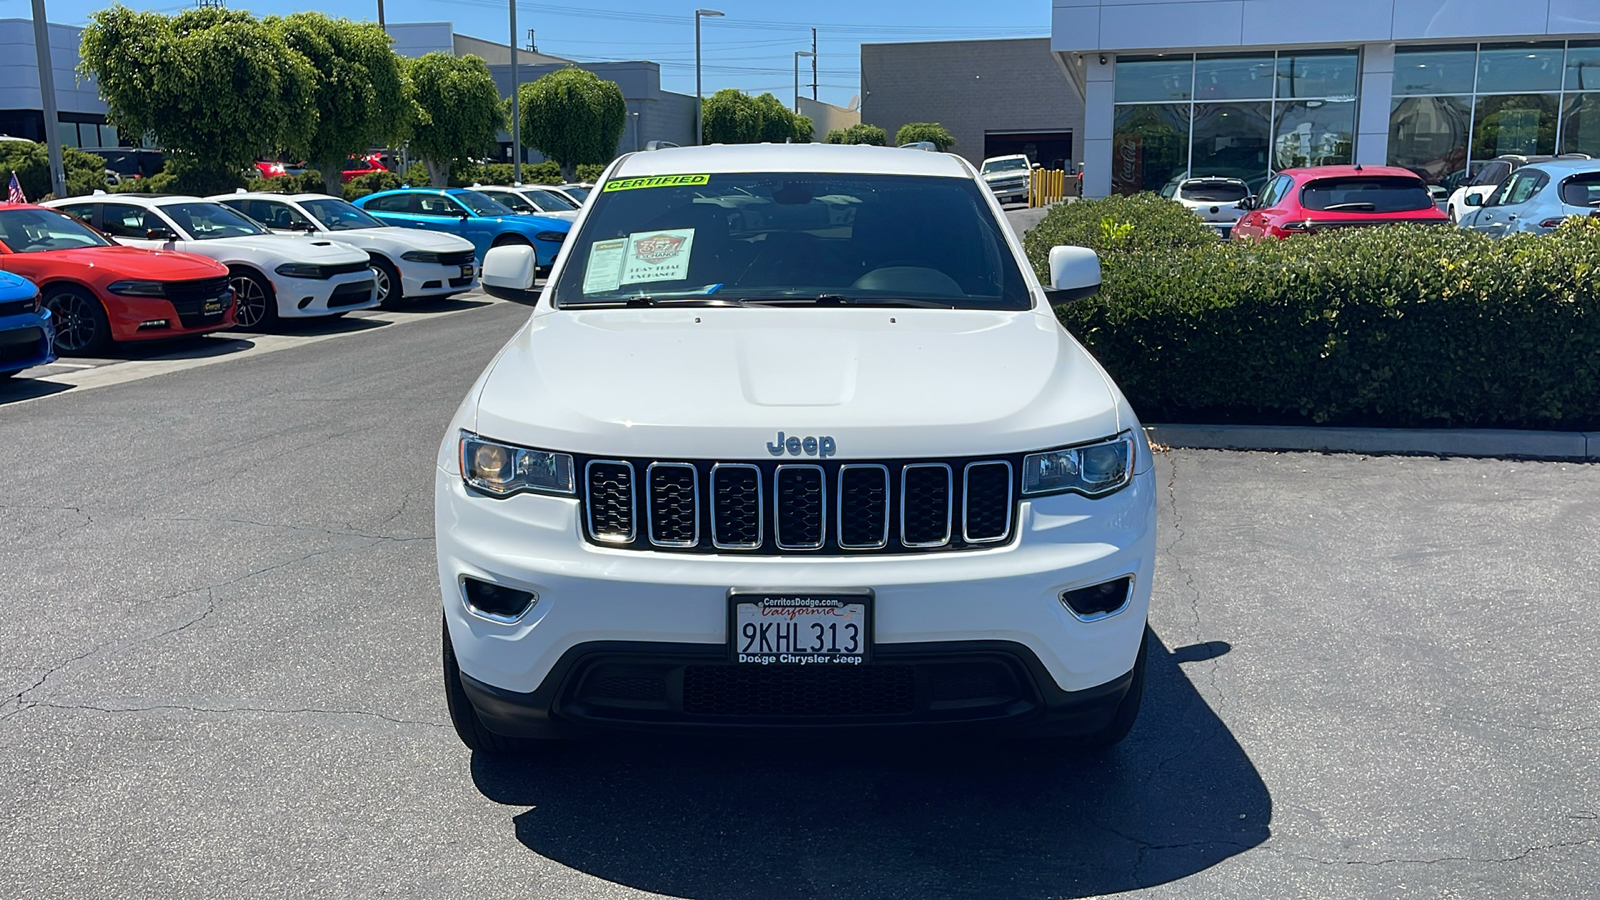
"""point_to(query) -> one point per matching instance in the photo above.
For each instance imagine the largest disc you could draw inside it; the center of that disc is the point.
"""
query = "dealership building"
(1242, 88)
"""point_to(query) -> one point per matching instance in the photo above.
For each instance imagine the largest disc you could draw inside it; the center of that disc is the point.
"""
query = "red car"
(1302, 201)
(354, 167)
(99, 292)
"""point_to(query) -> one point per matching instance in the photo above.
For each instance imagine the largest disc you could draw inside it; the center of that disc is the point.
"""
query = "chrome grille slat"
(611, 512)
(672, 504)
(800, 507)
(863, 506)
(738, 514)
(986, 501)
(926, 491)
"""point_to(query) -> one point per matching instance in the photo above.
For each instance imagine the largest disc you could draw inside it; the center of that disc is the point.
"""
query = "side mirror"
(1472, 200)
(1246, 203)
(1074, 274)
(307, 227)
(160, 234)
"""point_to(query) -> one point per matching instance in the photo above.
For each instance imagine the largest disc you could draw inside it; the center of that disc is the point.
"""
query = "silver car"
(1537, 198)
(1213, 198)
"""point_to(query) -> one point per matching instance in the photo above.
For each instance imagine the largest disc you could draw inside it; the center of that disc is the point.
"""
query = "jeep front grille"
(794, 507)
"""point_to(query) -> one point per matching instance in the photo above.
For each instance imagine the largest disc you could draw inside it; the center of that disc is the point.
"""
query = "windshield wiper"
(1362, 206)
(841, 300)
(697, 297)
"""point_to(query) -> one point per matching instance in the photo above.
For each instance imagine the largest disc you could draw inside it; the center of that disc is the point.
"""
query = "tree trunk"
(438, 173)
(569, 172)
(332, 183)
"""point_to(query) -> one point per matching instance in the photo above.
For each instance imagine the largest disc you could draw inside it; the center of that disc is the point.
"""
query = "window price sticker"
(642, 256)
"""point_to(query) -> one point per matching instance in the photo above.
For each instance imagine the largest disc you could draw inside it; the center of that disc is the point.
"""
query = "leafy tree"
(932, 132)
(804, 130)
(456, 111)
(730, 116)
(590, 172)
(859, 134)
(573, 117)
(216, 88)
(777, 122)
(359, 91)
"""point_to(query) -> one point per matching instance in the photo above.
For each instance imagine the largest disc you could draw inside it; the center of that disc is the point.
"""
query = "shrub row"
(1402, 326)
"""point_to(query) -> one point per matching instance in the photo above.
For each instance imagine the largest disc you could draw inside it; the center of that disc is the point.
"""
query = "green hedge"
(31, 161)
(1396, 326)
(372, 183)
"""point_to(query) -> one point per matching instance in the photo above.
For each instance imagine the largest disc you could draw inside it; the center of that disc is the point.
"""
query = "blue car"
(465, 212)
(27, 335)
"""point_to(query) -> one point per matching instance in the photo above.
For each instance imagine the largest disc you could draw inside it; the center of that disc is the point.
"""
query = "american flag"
(14, 191)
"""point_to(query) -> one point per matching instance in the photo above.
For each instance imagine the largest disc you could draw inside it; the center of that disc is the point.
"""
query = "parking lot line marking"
(139, 369)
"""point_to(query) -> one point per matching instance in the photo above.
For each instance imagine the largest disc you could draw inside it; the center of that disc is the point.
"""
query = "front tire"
(464, 717)
(386, 279)
(82, 328)
(257, 302)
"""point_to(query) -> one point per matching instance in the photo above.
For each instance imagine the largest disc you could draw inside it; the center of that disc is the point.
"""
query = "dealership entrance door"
(1050, 149)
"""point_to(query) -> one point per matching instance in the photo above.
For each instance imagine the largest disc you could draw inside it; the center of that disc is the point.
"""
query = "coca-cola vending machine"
(1127, 164)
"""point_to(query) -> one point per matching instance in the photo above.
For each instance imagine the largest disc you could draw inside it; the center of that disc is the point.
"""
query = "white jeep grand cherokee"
(793, 438)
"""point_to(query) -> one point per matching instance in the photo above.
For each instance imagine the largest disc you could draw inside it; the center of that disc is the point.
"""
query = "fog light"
(1098, 601)
(153, 323)
(496, 603)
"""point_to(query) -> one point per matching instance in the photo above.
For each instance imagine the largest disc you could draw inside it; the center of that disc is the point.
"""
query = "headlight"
(299, 270)
(1091, 469)
(554, 237)
(38, 302)
(138, 288)
(420, 256)
(502, 470)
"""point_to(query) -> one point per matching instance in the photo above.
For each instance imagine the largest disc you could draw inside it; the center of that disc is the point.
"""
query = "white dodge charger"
(792, 437)
(407, 263)
(272, 275)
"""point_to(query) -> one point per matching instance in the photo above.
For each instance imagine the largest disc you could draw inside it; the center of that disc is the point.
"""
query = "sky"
(750, 48)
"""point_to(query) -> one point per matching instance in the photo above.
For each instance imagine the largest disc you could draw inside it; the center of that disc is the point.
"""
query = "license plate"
(800, 629)
(214, 308)
(466, 271)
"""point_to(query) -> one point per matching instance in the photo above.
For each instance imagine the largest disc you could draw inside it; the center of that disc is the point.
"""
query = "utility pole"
(813, 64)
(380, 18)
(516, 90)
(699, 92)
(47, 93)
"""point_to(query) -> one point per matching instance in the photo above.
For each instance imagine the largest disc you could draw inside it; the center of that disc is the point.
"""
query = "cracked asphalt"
(1371, 677)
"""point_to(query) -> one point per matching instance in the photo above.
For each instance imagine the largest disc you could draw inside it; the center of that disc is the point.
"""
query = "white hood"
(712, 383)
(314, 249)
(397, 237)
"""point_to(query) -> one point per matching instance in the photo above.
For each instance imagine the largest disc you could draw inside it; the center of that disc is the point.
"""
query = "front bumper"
(26, 340)
(138, 318)
(431, 280)
(990, 685)
(590, 593)
(1009, 193)
(300, 298)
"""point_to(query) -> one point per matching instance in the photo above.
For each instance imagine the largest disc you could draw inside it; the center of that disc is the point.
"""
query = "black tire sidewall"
(397, 289)
(270, 315)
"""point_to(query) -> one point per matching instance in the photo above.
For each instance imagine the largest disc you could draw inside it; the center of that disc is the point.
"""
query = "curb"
(1479, 442)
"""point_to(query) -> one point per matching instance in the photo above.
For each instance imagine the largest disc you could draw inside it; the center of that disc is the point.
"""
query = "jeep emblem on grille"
(823, 447)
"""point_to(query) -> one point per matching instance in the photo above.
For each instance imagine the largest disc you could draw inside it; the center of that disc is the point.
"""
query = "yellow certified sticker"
(651, 181)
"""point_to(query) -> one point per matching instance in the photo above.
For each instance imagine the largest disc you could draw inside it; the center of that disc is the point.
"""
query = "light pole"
(699, 93)
(797, 55)
(516, 113)
(47, 97)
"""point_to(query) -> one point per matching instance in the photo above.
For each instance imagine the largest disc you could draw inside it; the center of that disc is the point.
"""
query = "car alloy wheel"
(252, 300)
(80, 326)
(381, 284)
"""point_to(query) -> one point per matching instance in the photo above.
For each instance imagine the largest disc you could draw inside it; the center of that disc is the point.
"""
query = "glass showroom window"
(1456, 108)
(1236, 116)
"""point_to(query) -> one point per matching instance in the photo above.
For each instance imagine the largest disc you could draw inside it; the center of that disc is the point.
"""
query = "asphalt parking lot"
(1373, 677)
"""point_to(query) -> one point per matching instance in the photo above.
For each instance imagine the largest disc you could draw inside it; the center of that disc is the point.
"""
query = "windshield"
(1214, 192)
(549, 201)
(1005, 165)
(36, 230)
(799, 238)
(481, 205)
(208, 221)
(337, 215)
(1367, 193)
(581, 193)
(513, 201)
